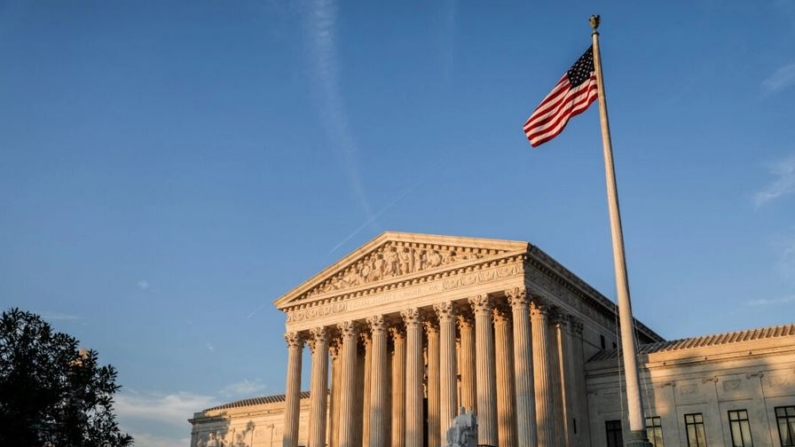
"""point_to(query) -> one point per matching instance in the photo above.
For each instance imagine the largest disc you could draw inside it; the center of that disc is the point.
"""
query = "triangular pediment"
(395, 257)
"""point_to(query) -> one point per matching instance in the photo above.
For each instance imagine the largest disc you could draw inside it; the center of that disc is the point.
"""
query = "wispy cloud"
(372, 218)
(322, 29)
(770, 302)
(244, 388)
(209, 346)
(782, 185)
(783, 77)
(161, 420)
(59, 317)
(171, 409)
(143, 284)
(785, 246)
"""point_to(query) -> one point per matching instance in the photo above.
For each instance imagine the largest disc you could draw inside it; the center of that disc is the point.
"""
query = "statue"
(464, 431)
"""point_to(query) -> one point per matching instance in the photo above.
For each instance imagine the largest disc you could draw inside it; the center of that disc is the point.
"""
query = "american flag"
(575, 91)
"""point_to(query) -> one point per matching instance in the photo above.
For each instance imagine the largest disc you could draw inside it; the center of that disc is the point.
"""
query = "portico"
(494, 326)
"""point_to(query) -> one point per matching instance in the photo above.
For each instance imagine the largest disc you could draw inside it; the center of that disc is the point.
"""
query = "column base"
(638, 439)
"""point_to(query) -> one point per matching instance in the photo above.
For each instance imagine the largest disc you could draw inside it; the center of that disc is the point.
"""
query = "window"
(694, 423)
(654, 431)
(741, 429)
(602, 342)
(614, 435)
(785, 416)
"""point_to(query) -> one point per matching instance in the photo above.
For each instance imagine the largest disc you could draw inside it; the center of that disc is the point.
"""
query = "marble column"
(447, 367)
(348, 420)
(545, 409)
(557, 368)
(487, 386)
(526, 434)
(292, 407)
(414, 371)
(368, 362)
(506, 408)
(467, 368)
(378, 409)
(576, 367)
(361, 367)
(334, 405)
(434, 383)
(318, 388)
(398, 386)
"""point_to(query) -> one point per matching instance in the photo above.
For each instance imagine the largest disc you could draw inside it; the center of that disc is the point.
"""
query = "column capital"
(539, 306)
(412, 317)
(445, 310)
(481, 303)
(397, 332)
(348, 329)
(517, 297)
(294, 339)
(365, 338)
(431, 325)
(465, 317)
(575, 325)
(318, 335)
(559, 317)
(377, 323)
(502, 313)
(334, 345)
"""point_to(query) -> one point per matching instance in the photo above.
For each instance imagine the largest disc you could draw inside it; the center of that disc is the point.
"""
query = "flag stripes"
(572, 95)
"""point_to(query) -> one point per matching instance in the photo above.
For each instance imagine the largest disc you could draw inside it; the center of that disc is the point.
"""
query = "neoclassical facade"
(413, 327)
(409, 328)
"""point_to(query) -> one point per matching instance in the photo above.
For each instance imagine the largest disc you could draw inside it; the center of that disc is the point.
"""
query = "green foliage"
(51, 394)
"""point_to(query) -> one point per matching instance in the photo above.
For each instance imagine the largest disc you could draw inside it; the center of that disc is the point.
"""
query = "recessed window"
(654, 431)
(602, 341)
(614, 435)
(740, 428)
(785, 416)
(694, 424)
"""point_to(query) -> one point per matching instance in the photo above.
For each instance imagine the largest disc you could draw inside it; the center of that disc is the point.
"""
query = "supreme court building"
(410, 328)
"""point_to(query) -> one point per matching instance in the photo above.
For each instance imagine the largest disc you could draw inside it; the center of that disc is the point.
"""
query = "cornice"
(548, 266)
(450, 277)
(479, 245)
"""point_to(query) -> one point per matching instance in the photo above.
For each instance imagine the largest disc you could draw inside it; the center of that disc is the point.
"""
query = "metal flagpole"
(637, 423)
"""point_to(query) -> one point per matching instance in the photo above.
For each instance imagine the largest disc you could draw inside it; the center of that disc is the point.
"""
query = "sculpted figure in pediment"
(434, 259)
(419, 258)
(406, 257)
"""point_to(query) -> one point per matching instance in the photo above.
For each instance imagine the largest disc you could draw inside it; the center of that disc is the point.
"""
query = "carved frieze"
(374, 297)
(395, 259)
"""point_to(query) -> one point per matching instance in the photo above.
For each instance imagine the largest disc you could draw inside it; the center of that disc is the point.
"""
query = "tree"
(53, 394)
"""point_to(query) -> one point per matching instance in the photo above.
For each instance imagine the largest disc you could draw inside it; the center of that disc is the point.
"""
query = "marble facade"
(485, 300)
(409, 328)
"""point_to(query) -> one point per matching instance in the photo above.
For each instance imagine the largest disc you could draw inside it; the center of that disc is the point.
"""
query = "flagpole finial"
(594, 22)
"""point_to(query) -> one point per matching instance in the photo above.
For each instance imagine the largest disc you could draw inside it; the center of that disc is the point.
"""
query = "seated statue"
(464, 431)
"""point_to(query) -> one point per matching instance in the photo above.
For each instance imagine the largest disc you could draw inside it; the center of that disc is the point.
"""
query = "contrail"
(367, 222)
(323, 54)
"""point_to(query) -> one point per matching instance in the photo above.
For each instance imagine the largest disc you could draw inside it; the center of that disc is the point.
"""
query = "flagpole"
(637, 423)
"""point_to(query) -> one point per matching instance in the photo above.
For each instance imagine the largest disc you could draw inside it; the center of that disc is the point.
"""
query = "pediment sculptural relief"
(395, 259)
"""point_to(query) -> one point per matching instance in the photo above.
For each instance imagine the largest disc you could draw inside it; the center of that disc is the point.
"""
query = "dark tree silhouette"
(51, 393)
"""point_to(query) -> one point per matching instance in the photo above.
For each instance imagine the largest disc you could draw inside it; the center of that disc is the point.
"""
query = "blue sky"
(168, 169)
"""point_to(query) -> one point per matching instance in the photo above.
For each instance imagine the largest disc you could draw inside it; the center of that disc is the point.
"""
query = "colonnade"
(506, 356)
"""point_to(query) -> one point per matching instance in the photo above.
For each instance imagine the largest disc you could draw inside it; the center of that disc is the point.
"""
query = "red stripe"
(551, 116)
(575, 108)
(568, 105)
